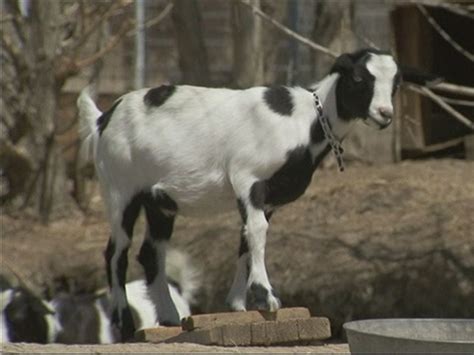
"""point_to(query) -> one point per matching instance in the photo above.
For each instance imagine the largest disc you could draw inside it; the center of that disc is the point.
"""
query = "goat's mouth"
(376, 122)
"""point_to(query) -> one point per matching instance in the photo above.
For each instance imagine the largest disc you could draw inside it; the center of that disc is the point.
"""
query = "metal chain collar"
(334, 143)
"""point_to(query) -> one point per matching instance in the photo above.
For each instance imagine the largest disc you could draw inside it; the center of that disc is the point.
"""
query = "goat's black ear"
(343, 64)
(420, 77)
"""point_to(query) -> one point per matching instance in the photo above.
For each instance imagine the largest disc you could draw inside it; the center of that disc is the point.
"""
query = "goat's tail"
(180, 269)
(88, 115)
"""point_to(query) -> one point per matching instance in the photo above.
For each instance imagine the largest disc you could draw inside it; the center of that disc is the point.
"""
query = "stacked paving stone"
(253, 328)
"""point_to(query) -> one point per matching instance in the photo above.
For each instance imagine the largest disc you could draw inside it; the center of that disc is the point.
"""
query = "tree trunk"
(193, 61)
(248, 46)
(49, 189)
(272, 38)
(332, 29)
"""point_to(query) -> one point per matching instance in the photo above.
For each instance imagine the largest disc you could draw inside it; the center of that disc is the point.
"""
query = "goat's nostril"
(386, 112)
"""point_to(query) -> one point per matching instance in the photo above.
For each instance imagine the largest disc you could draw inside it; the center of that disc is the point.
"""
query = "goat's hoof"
(263, 299)
(168, 323)
(236, 305)
(123, 328)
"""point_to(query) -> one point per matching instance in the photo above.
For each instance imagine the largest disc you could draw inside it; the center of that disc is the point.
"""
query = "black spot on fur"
(396, 82)
(25, 318)
(244, 247)
(258, 296)
(148, 259)
(109, 252)
(316, 133)
(242, 210)
(321, 156)
(160, 224)
(258, 193)
(279, 100)
(122, 265)
(157, 96)
(122, 321)
(130, 214)
(104, 119)
(288, 183)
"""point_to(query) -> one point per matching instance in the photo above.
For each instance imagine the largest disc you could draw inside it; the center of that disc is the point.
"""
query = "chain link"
(334, 143)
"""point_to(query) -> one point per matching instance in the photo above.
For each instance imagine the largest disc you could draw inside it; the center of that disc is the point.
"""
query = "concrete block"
(209, 336)
(275, 332)
(216, 319)
(158, 334)
(236, 334)
(316, 328)
(286, 314)
(259, 334)
(283, 331)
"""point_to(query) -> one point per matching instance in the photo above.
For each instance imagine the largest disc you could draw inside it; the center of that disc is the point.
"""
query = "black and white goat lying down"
(84, 319)
(194, 151)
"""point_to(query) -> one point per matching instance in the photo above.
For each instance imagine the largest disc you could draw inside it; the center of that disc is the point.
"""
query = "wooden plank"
(215, 319)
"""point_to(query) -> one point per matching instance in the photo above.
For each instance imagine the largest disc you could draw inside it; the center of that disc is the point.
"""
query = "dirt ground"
(168, 348)
(370, 242)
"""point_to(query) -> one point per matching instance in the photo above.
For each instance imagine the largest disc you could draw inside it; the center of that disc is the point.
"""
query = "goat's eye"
(357, 78)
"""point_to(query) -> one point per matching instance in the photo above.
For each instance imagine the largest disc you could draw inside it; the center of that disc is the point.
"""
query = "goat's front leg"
(251, 269)
(260, 290)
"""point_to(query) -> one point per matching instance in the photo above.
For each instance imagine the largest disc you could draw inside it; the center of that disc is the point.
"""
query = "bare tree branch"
(454, 89)
(15, 54)
(287, 31)
(448, 108)
(126, 29)
(444, 34)
(457, 9)
(458, 102)
(111, 44)
(17, 19)
(101, 16)
(157, 19)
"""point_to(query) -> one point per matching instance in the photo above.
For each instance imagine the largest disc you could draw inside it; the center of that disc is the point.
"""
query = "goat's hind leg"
(160, 213)
(116, 256)
(237, 297)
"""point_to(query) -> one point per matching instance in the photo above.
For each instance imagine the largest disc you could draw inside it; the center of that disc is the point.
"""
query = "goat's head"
(368, 80)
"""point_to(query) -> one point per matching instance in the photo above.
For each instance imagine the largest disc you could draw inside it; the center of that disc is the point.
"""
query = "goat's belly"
(202, 198)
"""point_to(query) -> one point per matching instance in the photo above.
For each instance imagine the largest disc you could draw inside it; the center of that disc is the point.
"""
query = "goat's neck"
(326, 90)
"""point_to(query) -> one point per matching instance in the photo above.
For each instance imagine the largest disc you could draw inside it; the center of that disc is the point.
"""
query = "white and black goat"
(193, 151)
(84, 319)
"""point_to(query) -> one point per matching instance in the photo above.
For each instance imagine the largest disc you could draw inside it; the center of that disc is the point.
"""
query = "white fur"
(5, 298)
(384, 68)
(105, 333)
